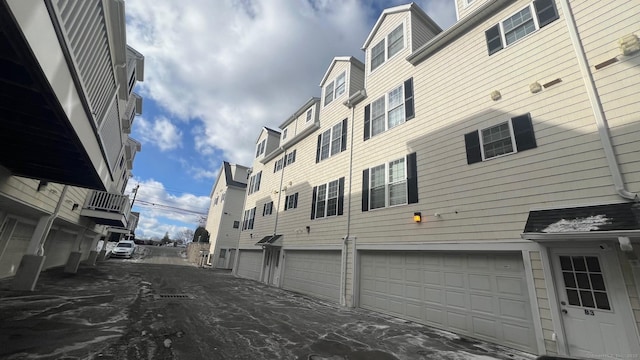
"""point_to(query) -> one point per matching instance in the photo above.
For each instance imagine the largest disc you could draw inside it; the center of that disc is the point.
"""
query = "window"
(277, 166)
(309, 115)
(332, 141)
(284, 134)
(390, 184)
(387, 47)
(223, 253)
(333, 90)
(328, 199)
(121, 162)
(291, 201)
(509, 137)
(260, 148)
(236, 224)
(132, 80)
(249, 217)
(254, 182)
(390, 110)
(215, 201)
(267, 209)
(521, 24)
(290, 158)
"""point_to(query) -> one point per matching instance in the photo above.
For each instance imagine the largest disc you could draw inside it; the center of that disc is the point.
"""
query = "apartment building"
(67, 107)
(483, 179)
(225, 214)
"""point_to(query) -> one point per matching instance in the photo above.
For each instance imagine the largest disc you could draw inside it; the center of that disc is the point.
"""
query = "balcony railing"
(107, 208)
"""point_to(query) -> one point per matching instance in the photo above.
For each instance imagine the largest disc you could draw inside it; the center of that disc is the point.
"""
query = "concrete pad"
(28, 273)
(73, 262)
(93, 257)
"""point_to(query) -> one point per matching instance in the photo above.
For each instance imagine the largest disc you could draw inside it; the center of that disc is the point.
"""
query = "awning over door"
(270, 240)
(599, 221)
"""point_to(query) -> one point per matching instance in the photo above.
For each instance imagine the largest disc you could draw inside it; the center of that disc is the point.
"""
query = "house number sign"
(588, 312)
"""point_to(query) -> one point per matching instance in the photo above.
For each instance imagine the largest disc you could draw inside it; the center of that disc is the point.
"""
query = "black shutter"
(494, 40)
(545, 11)
(523, 132)
(409, 110)
(295, 200)
(313, 202)
(318, 148)
(275, 166)
(258, 178)
(293, 157)
(365, 190)
(341, 196)
(412, 179)
(367, 122)
(344, 135)
(284, 161)
(264, 209)
(472, 143)
(286, 202)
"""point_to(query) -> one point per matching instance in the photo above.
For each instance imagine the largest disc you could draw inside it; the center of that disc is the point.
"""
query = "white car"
(124, 249)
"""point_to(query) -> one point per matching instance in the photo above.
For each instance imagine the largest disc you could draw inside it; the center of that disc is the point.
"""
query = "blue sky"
(215, 73)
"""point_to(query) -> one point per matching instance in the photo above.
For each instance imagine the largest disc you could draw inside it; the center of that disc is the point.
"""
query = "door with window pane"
(592, 304)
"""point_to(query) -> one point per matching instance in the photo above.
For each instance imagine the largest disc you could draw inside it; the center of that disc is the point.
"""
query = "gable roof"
(300, 111)
(353, 61)
(398, 9)
(269, 131)
(228, 176)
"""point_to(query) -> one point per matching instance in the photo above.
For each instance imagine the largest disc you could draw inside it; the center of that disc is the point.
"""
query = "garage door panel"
(249, 263)
(317, 273)
(476, 294)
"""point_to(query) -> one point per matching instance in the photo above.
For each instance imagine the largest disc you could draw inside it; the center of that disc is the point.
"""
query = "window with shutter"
(328, 199)
(332, 141)
(505, 138)
(390, 184)
(390, 110)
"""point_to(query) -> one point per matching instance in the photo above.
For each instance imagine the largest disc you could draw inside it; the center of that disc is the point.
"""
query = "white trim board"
(314, 248)
(454, 246)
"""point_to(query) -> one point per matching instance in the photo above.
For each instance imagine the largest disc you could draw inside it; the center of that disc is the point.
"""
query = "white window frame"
(309, 115)
(261, 147)
(511, 134)
(290, 202)
(326, 199)
(534, 16)
(284, 134)
(330, 131)
(387, 110)
(253, 184)
(385, 40)
(334, 88)
(290, 158)
(387, 195)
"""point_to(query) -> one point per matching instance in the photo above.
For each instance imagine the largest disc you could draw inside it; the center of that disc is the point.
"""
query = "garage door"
(315, 273)
(249, 262)
(481, 295)
(15, 248)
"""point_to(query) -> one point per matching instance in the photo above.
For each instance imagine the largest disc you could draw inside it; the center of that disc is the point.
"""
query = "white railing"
(108, 202)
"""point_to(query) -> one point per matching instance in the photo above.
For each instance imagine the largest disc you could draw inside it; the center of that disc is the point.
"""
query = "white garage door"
(315, 273)
(14, 248)
(482, 295)
(249, 262)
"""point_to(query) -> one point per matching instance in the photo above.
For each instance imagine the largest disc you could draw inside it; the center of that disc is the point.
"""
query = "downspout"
(350, 103)
(40, 246)
(596, 105)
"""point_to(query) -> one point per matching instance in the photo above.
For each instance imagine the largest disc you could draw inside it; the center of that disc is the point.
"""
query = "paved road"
(139, 309)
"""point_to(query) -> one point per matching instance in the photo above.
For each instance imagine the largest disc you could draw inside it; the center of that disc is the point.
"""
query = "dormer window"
(284, 134)
(260, 148)
(309, 115)
(387, 47)
(334, 89)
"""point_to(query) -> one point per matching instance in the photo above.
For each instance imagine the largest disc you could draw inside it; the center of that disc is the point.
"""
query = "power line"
(152, 204)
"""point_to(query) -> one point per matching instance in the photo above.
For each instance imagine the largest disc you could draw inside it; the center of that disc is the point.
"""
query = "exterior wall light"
(495, 95)
(308, 229)
(629, 44)
(417, 217)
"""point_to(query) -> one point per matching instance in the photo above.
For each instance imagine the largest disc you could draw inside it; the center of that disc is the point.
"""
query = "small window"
(267, 208)
(395, 41)
(222, 196)
(377, 55)
(260, 147)
(254, 182)
(278, 165)
(291, 202)
(521, 24)
(328, 94)
(309, 115)
(249, 218)
(236, 224)
(508, 137)
(284, 134)
(291, 158)
(215, 201)
(333, 90)
(340, 84)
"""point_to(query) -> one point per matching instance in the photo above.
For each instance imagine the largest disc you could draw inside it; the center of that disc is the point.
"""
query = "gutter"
(596, 105)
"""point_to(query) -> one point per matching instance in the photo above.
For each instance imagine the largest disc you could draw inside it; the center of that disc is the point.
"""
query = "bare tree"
(186, 235)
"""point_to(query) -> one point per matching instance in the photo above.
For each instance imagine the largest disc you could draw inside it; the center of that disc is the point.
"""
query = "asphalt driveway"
(137, 310)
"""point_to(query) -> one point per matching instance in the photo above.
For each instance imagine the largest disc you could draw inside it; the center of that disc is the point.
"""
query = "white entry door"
(593, 305)
(272, 266)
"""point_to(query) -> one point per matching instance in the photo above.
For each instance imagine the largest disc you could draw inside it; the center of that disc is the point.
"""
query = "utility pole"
(135, 193)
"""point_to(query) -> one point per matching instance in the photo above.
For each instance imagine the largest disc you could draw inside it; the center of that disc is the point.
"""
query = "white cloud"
(157, 204)
(159, 132)
(235, 66)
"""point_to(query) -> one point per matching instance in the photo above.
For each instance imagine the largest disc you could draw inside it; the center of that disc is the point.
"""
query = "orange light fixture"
(417, 217)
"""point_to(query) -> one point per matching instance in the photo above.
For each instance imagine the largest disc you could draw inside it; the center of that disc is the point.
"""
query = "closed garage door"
(249, 262)
(14, 248)
(482, 295)
(316, 273)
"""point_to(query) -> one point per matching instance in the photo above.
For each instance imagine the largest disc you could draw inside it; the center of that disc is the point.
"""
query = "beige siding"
(420, 33)
(356, 79)
(466, 7)
(25, 190)
(74, 195)
(544, 307)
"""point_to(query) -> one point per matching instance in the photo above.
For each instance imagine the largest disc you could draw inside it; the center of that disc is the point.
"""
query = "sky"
(215, 73)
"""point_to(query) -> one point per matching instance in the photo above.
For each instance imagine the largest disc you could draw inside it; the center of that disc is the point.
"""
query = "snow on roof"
(591, 223)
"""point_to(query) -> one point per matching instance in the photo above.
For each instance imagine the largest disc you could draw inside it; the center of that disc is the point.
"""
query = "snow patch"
(590, 223)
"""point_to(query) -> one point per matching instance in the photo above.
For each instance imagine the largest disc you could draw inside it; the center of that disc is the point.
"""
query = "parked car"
(124, 249)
